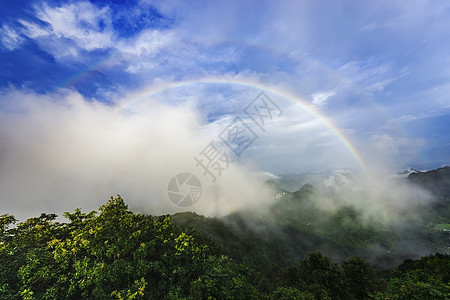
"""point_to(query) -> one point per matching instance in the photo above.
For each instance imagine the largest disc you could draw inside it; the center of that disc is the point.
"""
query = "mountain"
(436, 181)
(117, 254)
(264, 246)
(310, 219)
(407, 172)
(290, 251)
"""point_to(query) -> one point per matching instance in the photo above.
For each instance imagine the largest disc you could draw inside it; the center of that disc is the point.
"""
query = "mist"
(383, 217)
(62, 152)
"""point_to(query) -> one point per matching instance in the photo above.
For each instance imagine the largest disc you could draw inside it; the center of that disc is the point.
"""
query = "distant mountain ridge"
(436, 181)
(408, 172)
(297, 223)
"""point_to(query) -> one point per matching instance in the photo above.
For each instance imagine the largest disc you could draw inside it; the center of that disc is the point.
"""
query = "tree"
(316, 274)
(360, 279)
(114, 254)
(291, 293)
(427, 278)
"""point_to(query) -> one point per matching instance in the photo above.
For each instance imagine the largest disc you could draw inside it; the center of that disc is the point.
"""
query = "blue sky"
(379, 71)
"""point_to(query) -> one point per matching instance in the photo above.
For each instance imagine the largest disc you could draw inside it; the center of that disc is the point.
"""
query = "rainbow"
(159, 87)
(163, 86)
(88, 71)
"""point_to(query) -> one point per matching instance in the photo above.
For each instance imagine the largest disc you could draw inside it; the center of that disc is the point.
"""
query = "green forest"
(118, 254)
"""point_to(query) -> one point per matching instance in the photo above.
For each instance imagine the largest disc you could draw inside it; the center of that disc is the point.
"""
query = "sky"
(106, 97)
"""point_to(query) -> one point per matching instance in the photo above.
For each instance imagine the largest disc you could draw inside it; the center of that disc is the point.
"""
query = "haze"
(104, 99)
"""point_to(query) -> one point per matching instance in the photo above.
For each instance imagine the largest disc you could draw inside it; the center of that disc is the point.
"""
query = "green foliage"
(427, 278)
(215, 281)
(291, 293)
(117, 254)
(322, 278)
(360, 279)
(443, 226)
(113, 254)
(344, 226)
(415, 285)
(317, 274)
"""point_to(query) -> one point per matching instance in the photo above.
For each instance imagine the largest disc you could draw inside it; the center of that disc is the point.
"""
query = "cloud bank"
(378, 71)
(61, 152)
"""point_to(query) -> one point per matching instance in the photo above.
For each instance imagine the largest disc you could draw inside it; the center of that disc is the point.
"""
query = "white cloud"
(146, 43)
(33, 30)
(62, 152)
(320, 98)
(82, 26)
(82, 22)
(372, 76)
(369, 27)
(283, 46)
(391, 152)
(359, 71)
(71, 28)
(10, 38)
(141, 52)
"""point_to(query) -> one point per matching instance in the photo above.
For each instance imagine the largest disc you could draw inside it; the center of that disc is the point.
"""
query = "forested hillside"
(117, 254)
